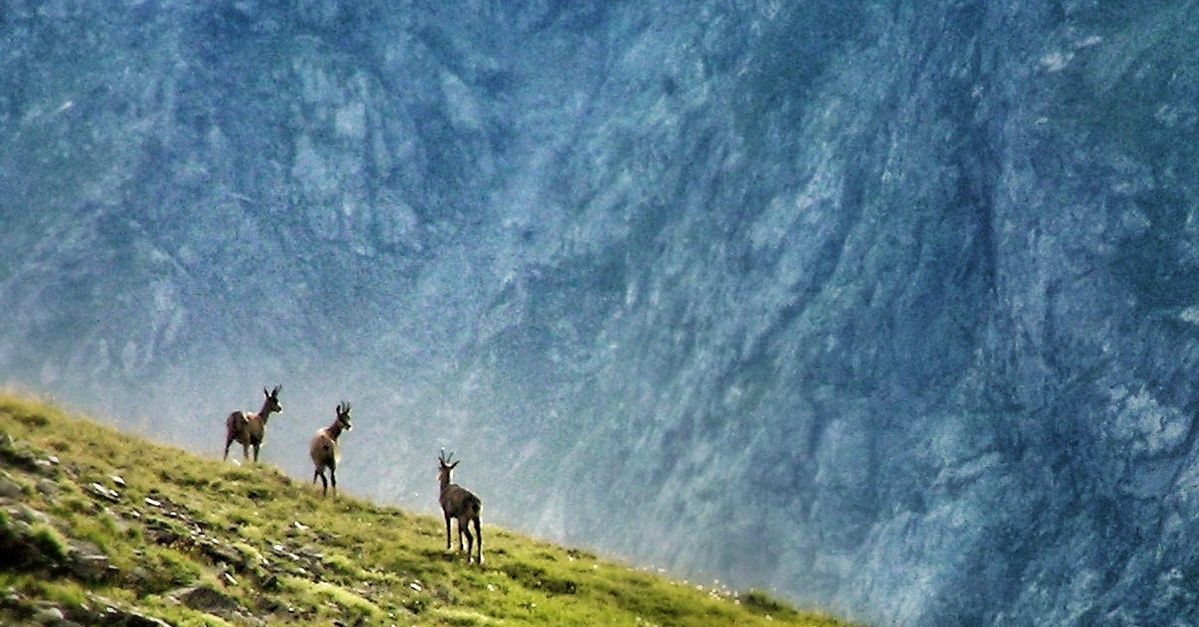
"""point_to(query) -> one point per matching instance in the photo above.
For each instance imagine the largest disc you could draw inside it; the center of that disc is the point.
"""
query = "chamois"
(324, 450)
(459, 503)
(249, 429)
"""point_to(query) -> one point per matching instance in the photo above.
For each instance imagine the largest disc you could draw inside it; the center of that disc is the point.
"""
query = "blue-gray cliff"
(889, 305)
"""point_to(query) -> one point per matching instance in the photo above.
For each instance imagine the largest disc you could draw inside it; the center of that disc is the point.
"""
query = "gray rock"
(206, 599)
(221, 554)
(91, 567)
(49, 615)
(9, 488)
(45, 467)
(116, 617)
(28, 514)
(47, 487)
(105, 493)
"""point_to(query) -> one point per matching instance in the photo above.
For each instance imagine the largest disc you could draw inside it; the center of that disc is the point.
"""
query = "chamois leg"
(320, 474)
(245, 453)
(464, 525)
(333, 479)
(256, 452)
(448, 545)
(228, 443)
(479, 533)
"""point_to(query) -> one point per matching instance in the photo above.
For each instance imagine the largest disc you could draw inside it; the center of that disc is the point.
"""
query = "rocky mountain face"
(888, 305)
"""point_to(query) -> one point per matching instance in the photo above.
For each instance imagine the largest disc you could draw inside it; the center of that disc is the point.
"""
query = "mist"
(886, 307)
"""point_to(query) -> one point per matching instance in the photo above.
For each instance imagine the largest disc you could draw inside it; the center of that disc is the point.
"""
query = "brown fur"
(325, 451)
(458, 503)
(249, 429)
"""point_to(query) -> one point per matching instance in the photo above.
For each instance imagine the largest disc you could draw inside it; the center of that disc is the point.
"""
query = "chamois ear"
(266, 393)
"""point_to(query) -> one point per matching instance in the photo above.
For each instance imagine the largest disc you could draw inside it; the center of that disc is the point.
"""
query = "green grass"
(49, 541)
(283, 554)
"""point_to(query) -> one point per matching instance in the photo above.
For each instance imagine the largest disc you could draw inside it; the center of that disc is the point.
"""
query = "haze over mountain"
(889, 305)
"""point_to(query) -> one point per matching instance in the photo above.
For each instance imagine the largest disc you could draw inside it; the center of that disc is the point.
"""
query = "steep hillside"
(102, 528)
(908, 288)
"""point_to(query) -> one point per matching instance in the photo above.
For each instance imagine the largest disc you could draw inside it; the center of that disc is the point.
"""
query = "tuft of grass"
(463, 617)
(341, 564)
(166, 569)
(356, 607)
(539, 578)
(65, 593)
(7, 534)
(49, 541)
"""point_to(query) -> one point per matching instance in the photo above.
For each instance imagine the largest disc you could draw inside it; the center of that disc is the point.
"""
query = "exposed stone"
(47, 487)
(159, 531)
(221, 554)
(117, 617)
(49, 616)
(206, 599)
(245, 618)
(20, 550)
(271, 583)
(105, 493)
(30, 515)
(10, 488)
(90, 566)
(18, 455)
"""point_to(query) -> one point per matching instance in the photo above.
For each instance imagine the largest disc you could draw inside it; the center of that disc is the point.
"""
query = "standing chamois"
(458, 503)
(324, 450)
(249, 429)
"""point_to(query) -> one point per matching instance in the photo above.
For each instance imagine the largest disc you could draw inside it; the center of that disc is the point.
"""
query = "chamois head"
(343, 415)
(446, 464)
(272, 400)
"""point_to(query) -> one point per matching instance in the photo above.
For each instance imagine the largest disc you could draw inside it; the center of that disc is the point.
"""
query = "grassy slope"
(273, 551)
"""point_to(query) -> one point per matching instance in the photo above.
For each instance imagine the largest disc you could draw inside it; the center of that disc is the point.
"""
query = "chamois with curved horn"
(460, 504)
(325, 451)
(249, 429)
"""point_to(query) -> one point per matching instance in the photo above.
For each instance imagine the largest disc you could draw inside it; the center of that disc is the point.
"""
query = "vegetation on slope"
(98, 527)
